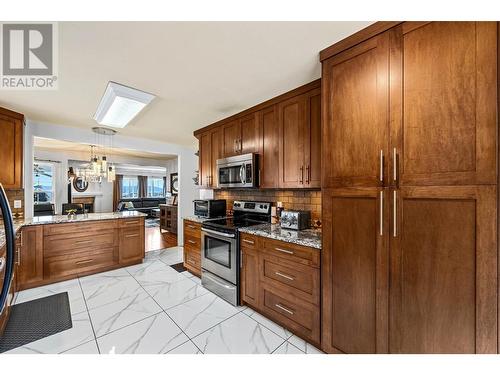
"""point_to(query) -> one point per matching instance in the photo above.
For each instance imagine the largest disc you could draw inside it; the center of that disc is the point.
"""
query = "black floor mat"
(179, 267)
(34, 320)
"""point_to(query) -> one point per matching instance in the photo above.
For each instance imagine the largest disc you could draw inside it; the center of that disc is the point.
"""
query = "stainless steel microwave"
(238, 171)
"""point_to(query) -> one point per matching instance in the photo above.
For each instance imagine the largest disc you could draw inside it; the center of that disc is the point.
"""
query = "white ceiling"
(201, 72)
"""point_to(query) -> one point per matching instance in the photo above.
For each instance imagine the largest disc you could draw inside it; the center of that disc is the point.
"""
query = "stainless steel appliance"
(220, 251)
(296, 220)
(238, 171)
(7, 257)
(210, 208)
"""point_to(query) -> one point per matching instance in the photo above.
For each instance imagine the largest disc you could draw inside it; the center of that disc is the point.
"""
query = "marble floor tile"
(186, 348)
(170, 295)
(72, 287)
(115, 315)
(276, 328)
(80, 333)
(304, 346)
(87, 348)
(154, 335)
(287, 348)
(100, 291)
(201, 313)
(171, 255)
(238, 335)
(157, 274)
(188, 274)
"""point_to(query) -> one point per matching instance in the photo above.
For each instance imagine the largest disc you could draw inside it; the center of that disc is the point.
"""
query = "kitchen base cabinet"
(192, 247)
(282, 281)
(30, 257)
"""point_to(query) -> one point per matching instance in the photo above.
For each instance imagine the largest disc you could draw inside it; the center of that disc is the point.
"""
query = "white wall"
(187, 161)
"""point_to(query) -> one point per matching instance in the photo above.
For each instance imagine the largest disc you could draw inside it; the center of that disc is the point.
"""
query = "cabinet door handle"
(191, 226)
(284, 309)
(240, 149)
(284, 276)
(302, 174)
(308, 171)
(394, 214)
(131, 235)
(283, 251)
(248, 241)
(381, 213)
(85, 261)
(191, 241)
(18, 256)
(395, 164)
(381, 165)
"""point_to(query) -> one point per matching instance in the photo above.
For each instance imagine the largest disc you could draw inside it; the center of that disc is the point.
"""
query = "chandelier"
(99, 169)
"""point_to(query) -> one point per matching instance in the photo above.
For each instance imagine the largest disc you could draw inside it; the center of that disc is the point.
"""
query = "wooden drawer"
(249, 241)
(192, 242)
(294, 279)
(66, 265)
(80, 228)
(295, 253)
(192, 261)
(127, 223)
(301, 317)
(67, 244)
(192, 229)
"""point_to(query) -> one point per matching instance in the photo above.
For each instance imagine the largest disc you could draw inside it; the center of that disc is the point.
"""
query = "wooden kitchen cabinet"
(30, 257)
(11, 152)
(300, 141)
(444, 257)
(242, 136)
(409, 190)
(211, 148)
(231, 137)
(444, 103)
(282, 281)
(354, 270)
(132, 245)
(269, 160)
(192, 247)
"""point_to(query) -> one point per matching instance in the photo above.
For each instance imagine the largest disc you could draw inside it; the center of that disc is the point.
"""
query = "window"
(156, 187)
(43, 183)
(130, 187)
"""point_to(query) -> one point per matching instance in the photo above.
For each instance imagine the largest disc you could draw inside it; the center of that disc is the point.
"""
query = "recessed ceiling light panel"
(120, 104)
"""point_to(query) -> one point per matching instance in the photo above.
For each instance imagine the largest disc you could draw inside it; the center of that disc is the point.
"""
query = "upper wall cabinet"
(443, 103)
(355, 108)
(11, 151)
(285, 132)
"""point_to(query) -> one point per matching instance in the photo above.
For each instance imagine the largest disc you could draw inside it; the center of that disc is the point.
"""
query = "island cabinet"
(409, 190)
(192, 247)
(282, 281)
(285, 133)
(11, 151)
(49, 253)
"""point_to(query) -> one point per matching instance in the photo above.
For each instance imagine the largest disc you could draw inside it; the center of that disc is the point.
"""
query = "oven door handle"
(242, 174)
(217, 233)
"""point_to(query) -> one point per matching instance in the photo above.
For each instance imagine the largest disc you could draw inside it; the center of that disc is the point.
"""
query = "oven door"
(219, 252)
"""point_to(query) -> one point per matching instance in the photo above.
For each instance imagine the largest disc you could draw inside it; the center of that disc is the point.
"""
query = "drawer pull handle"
(249, 241)
(191, 226)
(132, 235)
(131, 222)
(82, 242)
(284, 251)
(284, 309)
(191, 241)
(284, 276)
(85, 261)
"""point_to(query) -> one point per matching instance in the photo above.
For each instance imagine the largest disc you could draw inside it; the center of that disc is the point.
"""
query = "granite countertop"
(60, 219)
(198, 219)
(306, 237)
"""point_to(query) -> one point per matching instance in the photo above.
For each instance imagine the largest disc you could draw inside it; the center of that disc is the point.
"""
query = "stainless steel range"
(220, 250)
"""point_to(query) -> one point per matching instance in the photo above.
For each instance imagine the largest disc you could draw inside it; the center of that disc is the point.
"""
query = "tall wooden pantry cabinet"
(409, 185)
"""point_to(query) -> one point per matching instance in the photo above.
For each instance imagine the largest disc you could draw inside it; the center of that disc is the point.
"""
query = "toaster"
(296, 220)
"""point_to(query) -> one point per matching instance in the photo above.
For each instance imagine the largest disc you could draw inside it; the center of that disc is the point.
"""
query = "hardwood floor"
(156, 240)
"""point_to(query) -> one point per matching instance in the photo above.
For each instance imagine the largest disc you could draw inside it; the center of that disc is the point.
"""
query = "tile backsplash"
(12, 195)
(309, 200)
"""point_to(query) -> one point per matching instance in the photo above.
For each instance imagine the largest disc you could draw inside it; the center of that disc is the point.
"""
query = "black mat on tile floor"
(179, 267)
(36, 319)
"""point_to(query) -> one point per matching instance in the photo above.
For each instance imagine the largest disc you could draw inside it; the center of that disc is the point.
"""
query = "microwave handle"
(242, 174)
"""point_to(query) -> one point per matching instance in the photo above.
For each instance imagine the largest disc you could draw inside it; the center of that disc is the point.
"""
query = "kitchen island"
(56, 248)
